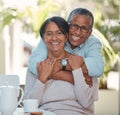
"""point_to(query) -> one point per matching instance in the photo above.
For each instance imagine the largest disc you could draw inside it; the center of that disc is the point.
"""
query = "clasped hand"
(48, 68)
(45, 68)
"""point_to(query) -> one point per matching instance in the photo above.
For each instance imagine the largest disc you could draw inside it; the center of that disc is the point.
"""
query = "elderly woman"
(59, 96)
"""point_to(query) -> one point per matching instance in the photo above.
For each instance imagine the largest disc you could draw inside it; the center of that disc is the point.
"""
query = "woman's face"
(54, 38)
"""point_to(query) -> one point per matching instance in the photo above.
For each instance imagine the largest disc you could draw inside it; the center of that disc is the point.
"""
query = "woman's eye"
(59, 33)
(49, 34)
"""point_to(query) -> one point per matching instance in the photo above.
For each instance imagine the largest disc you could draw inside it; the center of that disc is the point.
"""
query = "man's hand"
(76, 62)
(88, 79)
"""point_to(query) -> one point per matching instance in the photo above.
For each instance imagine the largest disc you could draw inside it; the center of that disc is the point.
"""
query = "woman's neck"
(58, 55)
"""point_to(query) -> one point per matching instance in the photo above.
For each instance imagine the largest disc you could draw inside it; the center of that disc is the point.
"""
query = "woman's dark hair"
(60, 22)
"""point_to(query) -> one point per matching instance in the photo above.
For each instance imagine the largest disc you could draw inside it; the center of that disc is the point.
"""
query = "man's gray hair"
(81, 11)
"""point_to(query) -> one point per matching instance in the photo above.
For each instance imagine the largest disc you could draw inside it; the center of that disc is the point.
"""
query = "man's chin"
(73, 44)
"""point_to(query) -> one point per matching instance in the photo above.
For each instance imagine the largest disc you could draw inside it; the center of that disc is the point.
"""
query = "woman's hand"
(45, 69)
(56, 68)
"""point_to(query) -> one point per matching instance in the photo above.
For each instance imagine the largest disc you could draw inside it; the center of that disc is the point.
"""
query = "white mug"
(30, 105)
(9, 99)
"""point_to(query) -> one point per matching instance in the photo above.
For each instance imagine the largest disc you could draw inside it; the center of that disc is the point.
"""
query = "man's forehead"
(78, 16)
(80, 20)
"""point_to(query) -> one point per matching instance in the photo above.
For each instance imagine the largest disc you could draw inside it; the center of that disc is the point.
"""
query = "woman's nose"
(54, 36)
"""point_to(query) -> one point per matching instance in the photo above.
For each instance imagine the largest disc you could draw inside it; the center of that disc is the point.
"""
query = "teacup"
(30, 105)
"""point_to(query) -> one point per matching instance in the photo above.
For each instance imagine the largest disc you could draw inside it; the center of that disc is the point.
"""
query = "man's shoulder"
(92, 39)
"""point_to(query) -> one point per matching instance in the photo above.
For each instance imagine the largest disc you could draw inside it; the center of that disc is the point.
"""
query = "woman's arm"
(34, 89)
(86, 95)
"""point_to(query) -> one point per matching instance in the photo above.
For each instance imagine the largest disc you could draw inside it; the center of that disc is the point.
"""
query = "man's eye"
(75, 26)
(84, 28)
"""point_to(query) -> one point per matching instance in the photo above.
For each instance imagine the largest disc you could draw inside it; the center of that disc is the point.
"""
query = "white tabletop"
(20, 111)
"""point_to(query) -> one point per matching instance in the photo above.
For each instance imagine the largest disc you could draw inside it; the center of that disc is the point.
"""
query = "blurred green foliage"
(32, 18)
(109, 34)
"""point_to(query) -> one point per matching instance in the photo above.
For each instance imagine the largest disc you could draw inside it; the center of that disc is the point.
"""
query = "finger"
(38, 64)
(88, 80)
(89, 83)
(52, 62)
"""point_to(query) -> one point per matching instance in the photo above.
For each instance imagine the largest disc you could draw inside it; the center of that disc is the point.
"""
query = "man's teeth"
(75, 38)
(55, 43)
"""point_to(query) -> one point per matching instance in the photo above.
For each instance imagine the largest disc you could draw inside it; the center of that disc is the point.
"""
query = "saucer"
(43, 112)
(36, 113)
(48, 113)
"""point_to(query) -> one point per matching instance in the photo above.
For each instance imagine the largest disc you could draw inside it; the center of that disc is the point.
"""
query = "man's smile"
(75, 38)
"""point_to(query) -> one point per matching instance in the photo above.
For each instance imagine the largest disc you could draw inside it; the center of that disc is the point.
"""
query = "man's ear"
(90, 32)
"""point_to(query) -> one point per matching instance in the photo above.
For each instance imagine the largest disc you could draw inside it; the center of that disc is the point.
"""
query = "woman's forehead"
(51, 26)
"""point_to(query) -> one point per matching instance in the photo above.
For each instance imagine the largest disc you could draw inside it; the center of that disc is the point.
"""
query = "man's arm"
(59, 74)
(38, 54)
(64, 75)
(74, 62)
(93, 57)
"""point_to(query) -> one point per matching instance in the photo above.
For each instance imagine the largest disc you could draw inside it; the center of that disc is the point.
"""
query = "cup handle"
(21, 97)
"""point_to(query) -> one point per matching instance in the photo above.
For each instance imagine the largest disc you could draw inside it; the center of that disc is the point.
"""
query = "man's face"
(79, 30)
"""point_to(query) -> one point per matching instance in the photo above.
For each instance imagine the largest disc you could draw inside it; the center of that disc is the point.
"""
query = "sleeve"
(85, 95)
(93, 59)
(34, 89)
(38, 54)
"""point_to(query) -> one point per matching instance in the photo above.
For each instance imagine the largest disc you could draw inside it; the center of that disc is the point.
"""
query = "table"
(20, 111)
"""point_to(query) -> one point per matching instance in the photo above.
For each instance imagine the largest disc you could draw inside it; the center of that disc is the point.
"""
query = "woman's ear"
(66, 37)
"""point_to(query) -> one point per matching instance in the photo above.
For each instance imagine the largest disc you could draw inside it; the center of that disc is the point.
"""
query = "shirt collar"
(80, 46)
